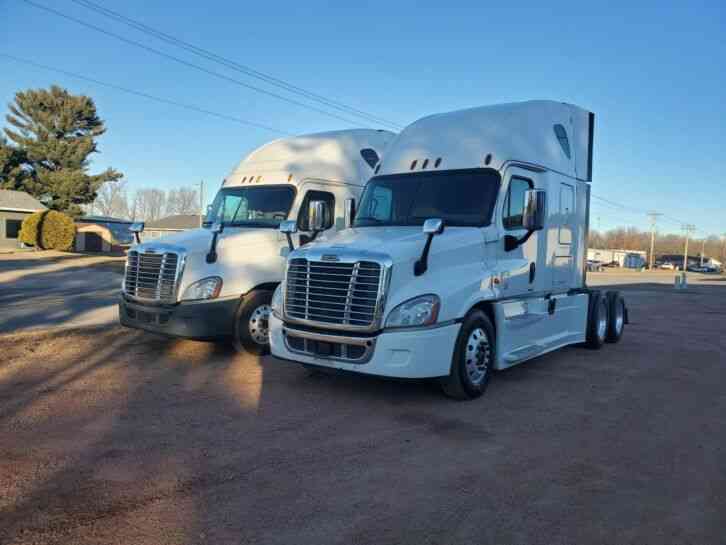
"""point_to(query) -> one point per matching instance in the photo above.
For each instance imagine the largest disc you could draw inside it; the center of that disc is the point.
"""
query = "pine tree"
(12, 173)
(55, 132)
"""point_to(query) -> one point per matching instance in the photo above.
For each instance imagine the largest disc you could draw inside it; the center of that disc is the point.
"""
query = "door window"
(513, 210)
(303, 220)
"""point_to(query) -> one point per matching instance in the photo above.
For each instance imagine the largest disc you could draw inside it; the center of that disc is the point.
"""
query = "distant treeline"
(631, 238)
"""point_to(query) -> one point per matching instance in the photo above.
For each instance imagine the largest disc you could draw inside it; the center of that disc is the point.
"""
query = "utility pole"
(723, 249)
(201, 202)
(703, 249)
(653, 220)
(689, 229)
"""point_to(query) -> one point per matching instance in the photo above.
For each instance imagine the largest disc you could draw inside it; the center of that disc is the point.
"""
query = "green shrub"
(49, 230)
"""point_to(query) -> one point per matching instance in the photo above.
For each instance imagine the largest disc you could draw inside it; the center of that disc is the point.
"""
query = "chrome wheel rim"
(258, 325)
(602, 321)
(477, 354)
(619, 318)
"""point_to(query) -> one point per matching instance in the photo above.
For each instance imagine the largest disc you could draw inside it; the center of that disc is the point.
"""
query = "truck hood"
(196, 241)
(456, 264)
(401, 244)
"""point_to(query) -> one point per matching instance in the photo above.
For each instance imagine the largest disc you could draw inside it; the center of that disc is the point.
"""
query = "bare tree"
(148, 204)
(182, 201)
(111, 200)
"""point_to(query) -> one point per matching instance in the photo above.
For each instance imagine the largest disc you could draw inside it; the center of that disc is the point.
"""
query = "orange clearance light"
(289, 178)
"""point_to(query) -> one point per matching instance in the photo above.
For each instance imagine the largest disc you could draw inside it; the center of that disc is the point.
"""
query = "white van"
(497, 276)
(217, 281)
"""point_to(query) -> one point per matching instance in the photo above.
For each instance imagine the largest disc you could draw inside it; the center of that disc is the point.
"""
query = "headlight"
(206, 288)
(276, 303)
(417, 312)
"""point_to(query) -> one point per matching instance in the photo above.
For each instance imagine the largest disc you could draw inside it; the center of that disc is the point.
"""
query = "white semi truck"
(216, 282)
(497, 276)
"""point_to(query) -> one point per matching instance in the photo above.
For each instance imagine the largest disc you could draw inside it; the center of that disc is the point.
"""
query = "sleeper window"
(513, 210)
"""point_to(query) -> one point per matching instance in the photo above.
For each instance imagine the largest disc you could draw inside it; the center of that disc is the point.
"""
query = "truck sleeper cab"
(497, 276)
(216, 282)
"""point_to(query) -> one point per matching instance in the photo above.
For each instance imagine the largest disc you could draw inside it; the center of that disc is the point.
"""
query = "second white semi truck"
(466, 254)
(216, 282)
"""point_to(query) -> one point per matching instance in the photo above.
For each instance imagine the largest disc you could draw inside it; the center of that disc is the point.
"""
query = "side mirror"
(349, 212)
(137, 228)
(318, 214)
(535, 204)
(289, 227)
(217, 228)
(431, 227)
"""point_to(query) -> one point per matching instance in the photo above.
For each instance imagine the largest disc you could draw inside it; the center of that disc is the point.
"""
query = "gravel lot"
(114, 436)
(47, 289)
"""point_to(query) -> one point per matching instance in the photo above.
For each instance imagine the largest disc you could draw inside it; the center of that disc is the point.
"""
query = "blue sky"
(652, 72)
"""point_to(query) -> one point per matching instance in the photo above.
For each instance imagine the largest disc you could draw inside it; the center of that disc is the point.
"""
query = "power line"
(187, 63)
(209, 55)
(146, 95)
(636, 210)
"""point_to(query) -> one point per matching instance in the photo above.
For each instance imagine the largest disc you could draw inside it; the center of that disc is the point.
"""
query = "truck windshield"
(261, 206)
(462, 198)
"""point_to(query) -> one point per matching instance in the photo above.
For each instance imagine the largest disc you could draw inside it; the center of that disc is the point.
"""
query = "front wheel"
(473, 359)
(252, 323)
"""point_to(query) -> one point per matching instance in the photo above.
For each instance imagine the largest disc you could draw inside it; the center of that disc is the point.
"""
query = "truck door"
(564, 225)
(520, 269)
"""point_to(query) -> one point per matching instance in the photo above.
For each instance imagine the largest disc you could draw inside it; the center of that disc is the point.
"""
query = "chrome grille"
(328, 292)
(152, 276)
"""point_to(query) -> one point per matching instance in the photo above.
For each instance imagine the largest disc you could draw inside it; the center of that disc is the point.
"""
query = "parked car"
(667, 266)
(594, 266)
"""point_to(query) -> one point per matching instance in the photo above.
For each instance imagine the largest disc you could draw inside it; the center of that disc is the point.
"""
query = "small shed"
(15, 206)
(102, 234)
(170, 224)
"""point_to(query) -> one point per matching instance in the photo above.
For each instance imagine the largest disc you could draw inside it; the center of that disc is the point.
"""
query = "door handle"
(532, 272)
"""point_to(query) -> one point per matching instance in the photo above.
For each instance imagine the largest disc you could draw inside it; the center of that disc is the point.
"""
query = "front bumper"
(422, 353)
(191, 320)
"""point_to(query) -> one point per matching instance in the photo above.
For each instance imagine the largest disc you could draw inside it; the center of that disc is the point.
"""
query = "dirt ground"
(114, 436)
(39, 290)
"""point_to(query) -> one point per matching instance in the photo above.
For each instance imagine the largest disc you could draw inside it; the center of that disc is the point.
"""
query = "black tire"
(248, 318)
(460, 384)
(597, 311)
(617, 317)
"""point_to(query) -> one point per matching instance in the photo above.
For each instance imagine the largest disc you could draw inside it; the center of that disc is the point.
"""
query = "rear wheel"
(473, 359)
(597, 321)
(616, 317)
(252, 323)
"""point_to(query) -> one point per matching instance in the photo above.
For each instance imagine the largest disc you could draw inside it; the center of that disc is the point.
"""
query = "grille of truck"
(151, 276)
(325, 292)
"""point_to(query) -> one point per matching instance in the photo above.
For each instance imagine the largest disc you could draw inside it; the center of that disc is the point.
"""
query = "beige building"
(169, 225)
(15, 206)
(102, 234)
